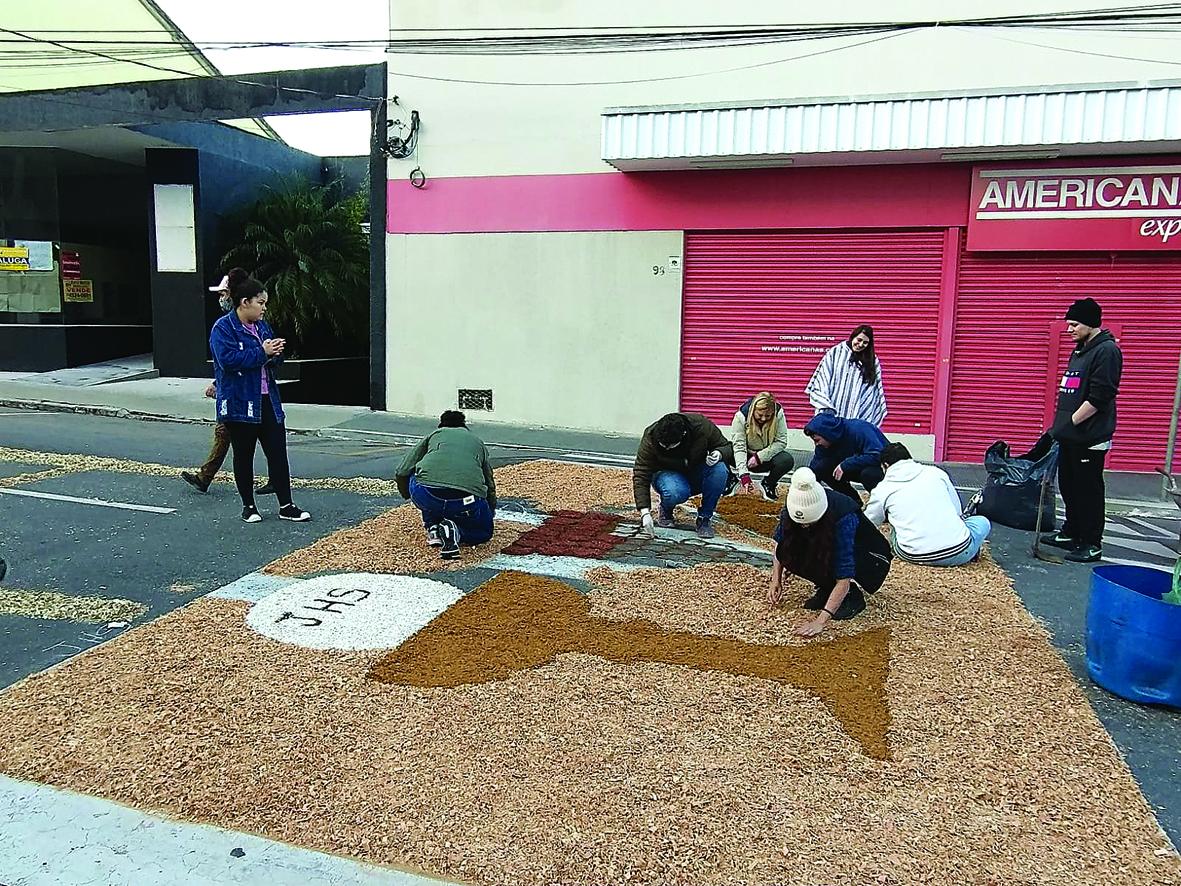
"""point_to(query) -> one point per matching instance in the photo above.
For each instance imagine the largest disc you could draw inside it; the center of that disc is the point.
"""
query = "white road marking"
(1144, 546)
(1117, 561)
(98, 502)
(1152, 527)
(22, 414)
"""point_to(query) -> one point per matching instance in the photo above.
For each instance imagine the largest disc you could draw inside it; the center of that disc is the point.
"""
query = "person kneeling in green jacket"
(447, 476)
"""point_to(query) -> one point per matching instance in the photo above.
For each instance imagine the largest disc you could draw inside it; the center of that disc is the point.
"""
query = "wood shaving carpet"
(393, 542)
(587, 771)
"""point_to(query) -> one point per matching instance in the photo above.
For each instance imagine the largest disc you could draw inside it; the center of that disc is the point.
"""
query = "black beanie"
(1086, 311)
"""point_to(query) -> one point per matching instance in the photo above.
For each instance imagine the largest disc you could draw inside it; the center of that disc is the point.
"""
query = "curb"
(115, 412)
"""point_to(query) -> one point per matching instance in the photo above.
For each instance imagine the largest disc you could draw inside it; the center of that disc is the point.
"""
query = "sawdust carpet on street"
(66, 607)
(751, 512)
(517, 621)
(561, 486)
(586, 770)
(393, 542)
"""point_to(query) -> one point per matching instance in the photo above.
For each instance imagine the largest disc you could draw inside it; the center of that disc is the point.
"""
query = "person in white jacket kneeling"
(924, 509)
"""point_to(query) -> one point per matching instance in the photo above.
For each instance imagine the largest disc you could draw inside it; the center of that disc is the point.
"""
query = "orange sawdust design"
(751, 512)
(516, 622)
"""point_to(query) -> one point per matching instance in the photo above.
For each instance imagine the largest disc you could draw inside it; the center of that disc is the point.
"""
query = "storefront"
(761, 308)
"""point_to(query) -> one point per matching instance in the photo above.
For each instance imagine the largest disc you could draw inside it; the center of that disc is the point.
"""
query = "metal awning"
(1031, 124)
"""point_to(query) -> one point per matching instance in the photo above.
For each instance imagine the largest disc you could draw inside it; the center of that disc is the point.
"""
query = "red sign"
(1106, 208)
(71, 265)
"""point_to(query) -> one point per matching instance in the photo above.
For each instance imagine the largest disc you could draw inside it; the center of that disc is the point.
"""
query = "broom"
(1038, 553)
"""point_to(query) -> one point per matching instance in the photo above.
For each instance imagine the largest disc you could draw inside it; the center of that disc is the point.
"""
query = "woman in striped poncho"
(848, 381)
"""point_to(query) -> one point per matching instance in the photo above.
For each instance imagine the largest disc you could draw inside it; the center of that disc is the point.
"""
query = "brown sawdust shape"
(585, 771)
(517, 621)
(751, 512)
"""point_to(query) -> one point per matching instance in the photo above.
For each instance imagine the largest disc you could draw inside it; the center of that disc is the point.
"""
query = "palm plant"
(304, 242)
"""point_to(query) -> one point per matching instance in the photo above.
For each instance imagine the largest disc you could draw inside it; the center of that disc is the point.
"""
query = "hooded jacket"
(703, 437)
(1092, 375)
(853, 444)
(741, 436)
(922, 506)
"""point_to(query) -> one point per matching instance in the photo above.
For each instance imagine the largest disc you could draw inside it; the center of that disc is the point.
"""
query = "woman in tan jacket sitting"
(759, 435)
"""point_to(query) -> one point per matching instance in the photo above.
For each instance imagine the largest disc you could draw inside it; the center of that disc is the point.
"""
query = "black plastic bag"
(1010, 493)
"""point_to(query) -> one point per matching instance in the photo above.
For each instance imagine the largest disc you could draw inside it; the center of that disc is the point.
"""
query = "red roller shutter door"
(760, 310)
(1009, 347)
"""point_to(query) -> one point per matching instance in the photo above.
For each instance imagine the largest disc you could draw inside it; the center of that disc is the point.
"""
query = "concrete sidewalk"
(182, 399)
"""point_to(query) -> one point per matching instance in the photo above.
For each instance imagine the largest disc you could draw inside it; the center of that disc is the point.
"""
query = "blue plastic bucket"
(1133, 638)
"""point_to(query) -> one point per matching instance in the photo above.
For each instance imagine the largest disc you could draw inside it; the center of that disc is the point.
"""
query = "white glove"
(646, 523)
(713, 458)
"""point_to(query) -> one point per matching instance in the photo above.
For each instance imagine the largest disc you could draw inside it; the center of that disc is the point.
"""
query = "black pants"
(1080, 480)
(867, 477)
(777, 468)
(273, 437)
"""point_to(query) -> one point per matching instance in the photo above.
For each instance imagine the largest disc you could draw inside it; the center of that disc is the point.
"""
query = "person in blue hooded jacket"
(245, 352)
(847, 450)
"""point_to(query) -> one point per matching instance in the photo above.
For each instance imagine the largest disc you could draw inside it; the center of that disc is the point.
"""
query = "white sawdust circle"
(351, 611)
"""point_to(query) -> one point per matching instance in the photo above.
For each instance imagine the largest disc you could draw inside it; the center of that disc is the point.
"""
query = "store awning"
(1029, 125)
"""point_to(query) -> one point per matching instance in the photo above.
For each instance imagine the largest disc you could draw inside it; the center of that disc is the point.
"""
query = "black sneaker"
(250, 514)
(770, 492)
(194, 481)
(853, 604)
(294, 513)
(1085, 554)
(449, 533)
(1058, 540)
(265, 489)
(816, 602)
(432, 536)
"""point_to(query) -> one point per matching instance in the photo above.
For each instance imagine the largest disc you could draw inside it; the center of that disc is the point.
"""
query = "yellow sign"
(78, 290)
(14, 258)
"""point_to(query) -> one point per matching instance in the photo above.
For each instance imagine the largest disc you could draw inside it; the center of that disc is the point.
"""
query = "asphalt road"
(161, 560)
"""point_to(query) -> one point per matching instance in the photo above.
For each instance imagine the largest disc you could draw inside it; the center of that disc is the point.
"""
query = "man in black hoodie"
(1084, 424)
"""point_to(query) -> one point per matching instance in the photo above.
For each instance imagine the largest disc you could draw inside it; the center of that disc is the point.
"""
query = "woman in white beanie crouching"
(824, 537)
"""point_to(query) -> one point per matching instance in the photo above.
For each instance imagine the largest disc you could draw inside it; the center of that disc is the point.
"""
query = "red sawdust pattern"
(516, 622)
(570, 534)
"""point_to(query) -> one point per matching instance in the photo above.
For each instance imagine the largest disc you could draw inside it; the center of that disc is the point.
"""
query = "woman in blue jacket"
(245, 352)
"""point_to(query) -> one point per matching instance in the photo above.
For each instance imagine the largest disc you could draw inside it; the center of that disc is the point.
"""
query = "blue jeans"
(978, 528)
(470, 513)
(675, 488)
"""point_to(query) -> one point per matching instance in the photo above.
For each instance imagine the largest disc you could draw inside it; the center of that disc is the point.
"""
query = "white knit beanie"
(806, 499)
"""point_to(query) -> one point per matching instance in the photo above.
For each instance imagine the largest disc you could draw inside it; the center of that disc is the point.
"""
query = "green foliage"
(305, 244)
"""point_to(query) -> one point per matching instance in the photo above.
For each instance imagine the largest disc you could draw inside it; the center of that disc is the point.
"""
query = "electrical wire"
(234, 79)
(1111, 55)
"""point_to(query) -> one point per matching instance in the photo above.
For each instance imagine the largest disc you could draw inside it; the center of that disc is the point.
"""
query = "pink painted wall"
(821, 197)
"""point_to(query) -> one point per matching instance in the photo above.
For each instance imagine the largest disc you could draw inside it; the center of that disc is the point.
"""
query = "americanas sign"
(1106, 208)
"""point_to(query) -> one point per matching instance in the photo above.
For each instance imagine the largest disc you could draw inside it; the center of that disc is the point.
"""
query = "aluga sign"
(1107, 208)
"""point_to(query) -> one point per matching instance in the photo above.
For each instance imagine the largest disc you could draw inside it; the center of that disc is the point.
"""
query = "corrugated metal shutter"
(760, 310)
(1007, 335)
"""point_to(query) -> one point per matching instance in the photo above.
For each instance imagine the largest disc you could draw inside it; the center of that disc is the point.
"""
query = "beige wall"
(568, 330)
(486, 128)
